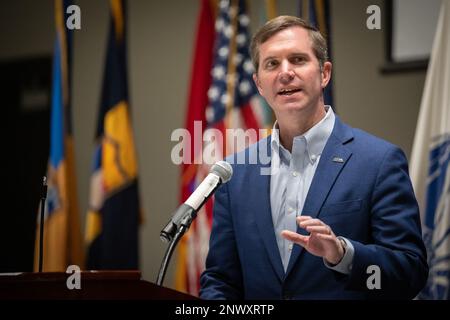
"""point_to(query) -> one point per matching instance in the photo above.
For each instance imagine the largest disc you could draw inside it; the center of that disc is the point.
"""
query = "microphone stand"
(41, 232)
(184, 226)
(187, 212)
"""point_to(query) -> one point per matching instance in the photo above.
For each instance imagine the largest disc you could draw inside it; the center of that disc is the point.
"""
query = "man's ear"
(256, 80)
(326, 73)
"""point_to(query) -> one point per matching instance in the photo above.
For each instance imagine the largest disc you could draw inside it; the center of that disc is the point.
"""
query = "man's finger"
(319, 229)
(323, 236)
(295, 237)
(310, 222)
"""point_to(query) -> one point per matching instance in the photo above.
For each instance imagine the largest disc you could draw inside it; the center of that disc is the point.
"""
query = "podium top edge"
(85, 275)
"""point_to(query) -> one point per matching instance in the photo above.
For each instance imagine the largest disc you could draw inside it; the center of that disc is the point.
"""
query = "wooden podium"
(95, 285)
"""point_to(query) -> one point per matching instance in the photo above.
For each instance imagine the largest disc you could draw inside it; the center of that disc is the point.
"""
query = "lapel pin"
(338, 159)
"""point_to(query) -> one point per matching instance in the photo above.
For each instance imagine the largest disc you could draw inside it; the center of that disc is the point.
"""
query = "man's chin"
(295, 107)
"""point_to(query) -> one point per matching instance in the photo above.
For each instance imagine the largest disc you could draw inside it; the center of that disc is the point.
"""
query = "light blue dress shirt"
(291, 176)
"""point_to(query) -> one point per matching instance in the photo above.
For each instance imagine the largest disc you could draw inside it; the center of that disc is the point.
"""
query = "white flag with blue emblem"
(430, 158)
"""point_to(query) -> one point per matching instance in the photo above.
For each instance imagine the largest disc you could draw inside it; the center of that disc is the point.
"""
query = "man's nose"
(286, 73)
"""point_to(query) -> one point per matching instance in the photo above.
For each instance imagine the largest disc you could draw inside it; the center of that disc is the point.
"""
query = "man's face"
(289, 75)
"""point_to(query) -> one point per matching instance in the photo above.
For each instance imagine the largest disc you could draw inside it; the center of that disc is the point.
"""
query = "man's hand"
(321, 242)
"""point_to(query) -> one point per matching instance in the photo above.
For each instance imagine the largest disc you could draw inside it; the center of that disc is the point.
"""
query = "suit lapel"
(333, 159)
(263, 214)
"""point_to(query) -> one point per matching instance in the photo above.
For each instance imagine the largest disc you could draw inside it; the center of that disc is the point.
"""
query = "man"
(336, 218)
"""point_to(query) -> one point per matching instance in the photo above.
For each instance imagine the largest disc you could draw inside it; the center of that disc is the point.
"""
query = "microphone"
(219, 173)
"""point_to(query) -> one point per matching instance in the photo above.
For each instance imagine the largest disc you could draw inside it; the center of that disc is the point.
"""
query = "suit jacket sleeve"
(222, 278)
(396, 246)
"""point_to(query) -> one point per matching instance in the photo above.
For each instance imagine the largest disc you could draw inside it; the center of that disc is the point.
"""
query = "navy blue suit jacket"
(367, 198)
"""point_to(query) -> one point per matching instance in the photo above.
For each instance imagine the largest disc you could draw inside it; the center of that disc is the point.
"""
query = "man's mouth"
(288, 92)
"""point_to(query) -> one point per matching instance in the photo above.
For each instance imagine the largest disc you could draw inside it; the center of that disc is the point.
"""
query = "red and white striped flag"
(222, 96)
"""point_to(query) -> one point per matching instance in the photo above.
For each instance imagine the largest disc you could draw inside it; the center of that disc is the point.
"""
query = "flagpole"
(231, 76)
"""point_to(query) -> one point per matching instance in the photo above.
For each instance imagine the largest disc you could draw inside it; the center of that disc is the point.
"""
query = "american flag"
(233, 99)
(232, 102)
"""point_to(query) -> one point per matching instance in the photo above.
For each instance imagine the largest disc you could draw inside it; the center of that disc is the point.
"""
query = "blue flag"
(62, 245)
(114, 210)
(317, 13)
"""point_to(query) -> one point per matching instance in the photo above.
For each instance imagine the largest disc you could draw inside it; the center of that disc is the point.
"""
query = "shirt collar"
(316, 137)
(277, 147)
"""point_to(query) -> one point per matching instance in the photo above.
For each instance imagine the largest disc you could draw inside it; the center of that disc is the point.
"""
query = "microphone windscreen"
(223, 169)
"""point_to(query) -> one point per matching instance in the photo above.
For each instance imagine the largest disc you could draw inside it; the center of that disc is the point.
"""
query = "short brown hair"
(319, 44)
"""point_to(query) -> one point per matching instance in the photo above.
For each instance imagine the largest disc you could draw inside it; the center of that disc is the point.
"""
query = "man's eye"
(271, 64)
(298, 59)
